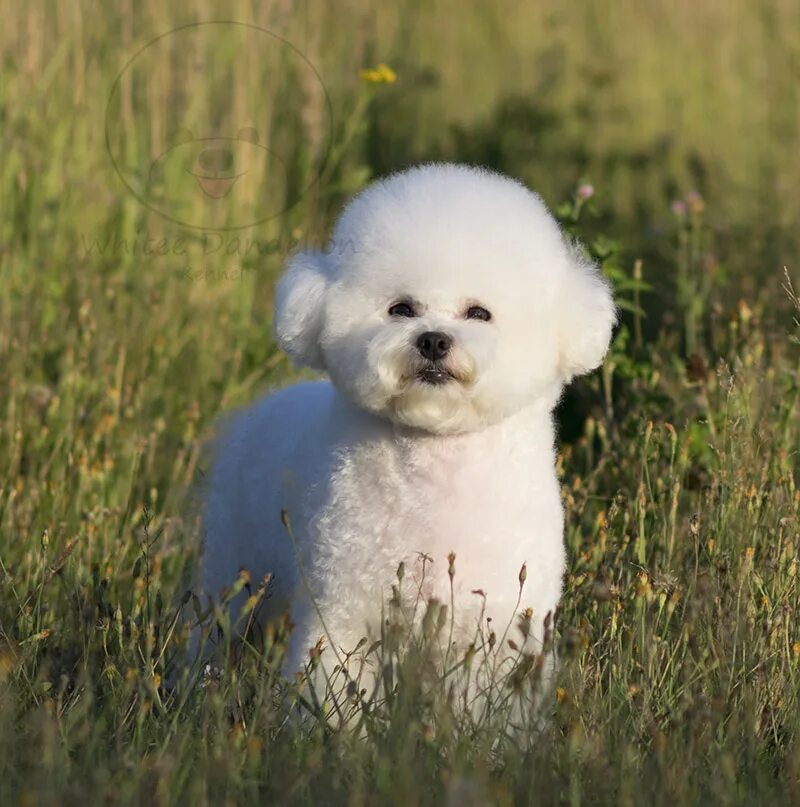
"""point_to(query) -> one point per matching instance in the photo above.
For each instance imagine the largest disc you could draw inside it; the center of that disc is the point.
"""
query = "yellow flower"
(561, 695)
(382, 74)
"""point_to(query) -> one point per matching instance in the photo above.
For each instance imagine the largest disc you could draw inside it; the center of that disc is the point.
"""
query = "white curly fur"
(376, 465)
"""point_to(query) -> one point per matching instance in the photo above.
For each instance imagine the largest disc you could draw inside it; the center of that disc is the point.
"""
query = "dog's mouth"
(435, 376)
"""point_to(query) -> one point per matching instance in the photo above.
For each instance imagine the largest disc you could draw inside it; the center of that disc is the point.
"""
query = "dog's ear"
(299, 308)
(588, 316)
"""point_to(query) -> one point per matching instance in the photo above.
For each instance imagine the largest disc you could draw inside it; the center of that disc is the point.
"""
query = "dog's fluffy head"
(458, 254)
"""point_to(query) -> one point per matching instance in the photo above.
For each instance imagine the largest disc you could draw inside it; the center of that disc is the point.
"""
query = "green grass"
(124, 335)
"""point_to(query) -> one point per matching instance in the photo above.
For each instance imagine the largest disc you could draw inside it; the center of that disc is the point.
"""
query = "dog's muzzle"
(434, 346)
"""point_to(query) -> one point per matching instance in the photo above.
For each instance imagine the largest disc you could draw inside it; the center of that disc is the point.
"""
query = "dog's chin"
(436, 401)
(436, 397)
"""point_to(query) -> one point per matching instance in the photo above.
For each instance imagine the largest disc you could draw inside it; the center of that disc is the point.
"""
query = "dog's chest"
(389, 501)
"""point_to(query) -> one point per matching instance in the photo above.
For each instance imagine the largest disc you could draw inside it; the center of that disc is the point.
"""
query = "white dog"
(448, 312)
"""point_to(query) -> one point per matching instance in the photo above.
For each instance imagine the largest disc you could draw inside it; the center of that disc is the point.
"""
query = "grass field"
(134, 310)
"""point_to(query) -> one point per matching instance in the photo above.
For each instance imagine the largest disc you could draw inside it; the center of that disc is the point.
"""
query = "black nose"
(216, 159)
(434, 345)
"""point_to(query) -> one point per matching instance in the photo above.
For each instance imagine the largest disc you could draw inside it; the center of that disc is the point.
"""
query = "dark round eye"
(476, 312)
(402, 310)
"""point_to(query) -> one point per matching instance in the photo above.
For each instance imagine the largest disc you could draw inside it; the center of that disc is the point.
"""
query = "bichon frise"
(448, 312)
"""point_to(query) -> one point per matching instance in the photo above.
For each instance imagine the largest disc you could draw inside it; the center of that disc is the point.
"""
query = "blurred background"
(647, 101)
(160, 161)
